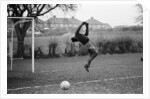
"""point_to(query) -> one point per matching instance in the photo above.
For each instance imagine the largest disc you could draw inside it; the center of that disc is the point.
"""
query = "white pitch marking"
(51, 85)
(37, 86)
(109, 79)
(45, 71)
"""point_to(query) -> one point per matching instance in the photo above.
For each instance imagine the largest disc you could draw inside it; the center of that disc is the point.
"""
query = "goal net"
(14, 63)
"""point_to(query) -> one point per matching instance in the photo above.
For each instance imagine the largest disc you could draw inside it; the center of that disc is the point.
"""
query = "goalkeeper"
(83, 39)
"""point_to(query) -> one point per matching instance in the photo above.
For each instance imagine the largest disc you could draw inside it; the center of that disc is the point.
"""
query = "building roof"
(56, 20)
(74, 20)
(106, 24)
(93, 21)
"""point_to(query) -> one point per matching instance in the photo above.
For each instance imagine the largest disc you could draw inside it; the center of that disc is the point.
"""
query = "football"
(65, 85)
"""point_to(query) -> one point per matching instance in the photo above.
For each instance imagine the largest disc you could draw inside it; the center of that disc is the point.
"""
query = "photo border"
(146, 54)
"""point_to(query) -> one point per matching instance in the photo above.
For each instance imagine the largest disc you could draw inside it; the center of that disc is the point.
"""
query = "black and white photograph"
(74, 48)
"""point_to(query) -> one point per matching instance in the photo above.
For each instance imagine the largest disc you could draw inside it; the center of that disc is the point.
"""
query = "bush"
(70, 49)
(53, 45)
(124, 44)
(38, 53)
(27, 52)
(119, 45)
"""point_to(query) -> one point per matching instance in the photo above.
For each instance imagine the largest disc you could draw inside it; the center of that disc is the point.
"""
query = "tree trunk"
(20, 50)
(21, 32)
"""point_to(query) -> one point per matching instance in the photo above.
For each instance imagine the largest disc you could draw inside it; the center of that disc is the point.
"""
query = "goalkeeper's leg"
(92, 54)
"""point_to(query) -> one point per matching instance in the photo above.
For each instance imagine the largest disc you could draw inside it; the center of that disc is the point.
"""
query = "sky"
(113, 14)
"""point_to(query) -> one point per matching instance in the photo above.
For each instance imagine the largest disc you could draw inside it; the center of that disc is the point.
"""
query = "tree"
(31, 10)
(139, 18)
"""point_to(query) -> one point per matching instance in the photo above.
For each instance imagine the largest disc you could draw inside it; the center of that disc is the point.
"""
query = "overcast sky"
(113, 14)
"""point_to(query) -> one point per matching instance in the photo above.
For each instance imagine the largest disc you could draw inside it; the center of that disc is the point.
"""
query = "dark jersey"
(82, 37)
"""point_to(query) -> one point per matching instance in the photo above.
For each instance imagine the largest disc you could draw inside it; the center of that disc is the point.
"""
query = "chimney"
(92, 18)
(72, 17)
(54, 16)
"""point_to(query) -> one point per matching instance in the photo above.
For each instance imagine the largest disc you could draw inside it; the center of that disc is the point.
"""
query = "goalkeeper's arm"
(79, 28)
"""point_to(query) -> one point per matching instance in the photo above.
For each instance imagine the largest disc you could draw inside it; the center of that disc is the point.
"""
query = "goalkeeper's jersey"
(82, 38)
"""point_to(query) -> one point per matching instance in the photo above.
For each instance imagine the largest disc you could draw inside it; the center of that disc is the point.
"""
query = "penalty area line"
(92, 81)
(109, 79)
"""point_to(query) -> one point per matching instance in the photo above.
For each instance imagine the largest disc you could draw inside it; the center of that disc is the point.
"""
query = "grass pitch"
(50, 72)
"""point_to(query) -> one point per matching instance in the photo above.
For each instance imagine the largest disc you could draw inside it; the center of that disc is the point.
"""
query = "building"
(55, 22)
(95, 24)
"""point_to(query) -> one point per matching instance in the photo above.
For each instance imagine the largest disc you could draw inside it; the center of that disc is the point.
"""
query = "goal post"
(22, 20)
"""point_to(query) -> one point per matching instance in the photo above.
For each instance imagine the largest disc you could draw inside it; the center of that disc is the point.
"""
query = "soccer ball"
(65, 85)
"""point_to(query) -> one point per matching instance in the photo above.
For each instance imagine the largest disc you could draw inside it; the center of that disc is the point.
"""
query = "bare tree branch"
(48, 10)
(39, 11)
(139, 18)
